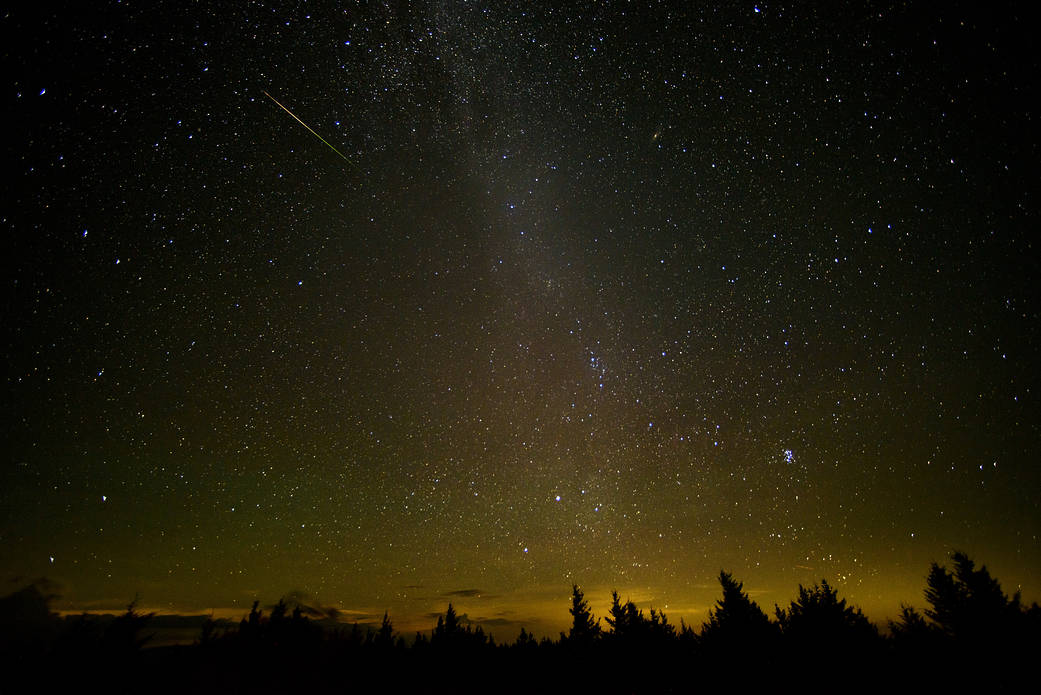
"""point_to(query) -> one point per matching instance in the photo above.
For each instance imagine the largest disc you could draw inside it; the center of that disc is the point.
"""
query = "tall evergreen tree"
(615, 614)
(385, 636)
(820, 618)
(448, 630)
(913, 634)
(123, 635)
(525, 640)
(968, 603)
(584, 628)
(736, 619)
(659, 627)
(626, 620)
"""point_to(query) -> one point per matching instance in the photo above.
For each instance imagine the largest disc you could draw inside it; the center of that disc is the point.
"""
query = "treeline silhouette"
(970, 628)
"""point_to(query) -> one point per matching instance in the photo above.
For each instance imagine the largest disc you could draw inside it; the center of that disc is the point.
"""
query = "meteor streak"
(342, 156)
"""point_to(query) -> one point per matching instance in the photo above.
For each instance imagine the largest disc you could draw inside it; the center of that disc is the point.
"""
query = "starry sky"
(611, 293)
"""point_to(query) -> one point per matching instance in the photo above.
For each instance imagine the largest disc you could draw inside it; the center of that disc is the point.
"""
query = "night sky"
(618, 294)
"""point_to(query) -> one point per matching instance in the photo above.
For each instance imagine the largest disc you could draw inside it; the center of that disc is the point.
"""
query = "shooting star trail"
(342, 156)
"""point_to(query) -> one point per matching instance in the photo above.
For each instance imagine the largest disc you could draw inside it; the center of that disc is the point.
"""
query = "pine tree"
(448, 630)
(421, 642)
(660, 628)
(584, 629)
(913, 633)
(818, 616)
(525, 640)
(451, 620)
(123, 635)
(736, 618)
(626, 620)
(385, 636)
(969, 603)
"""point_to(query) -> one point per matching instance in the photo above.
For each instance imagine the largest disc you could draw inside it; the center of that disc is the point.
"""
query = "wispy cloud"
(468, 593)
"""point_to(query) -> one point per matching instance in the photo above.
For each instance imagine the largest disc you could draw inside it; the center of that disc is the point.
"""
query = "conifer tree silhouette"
(659, 629)
(250, 626)
(820, 618)
(910, 624)
(736, 619)
(913, 635)
(525, 640)
(123, 635)
(968, 608)
(451, 620)
(630, 626)
(385, 636)
(447, 630)
(278, 613)
(584, 629)
(968, 604)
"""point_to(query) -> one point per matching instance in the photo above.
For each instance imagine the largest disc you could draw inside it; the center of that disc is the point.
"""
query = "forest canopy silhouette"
(968, 621)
